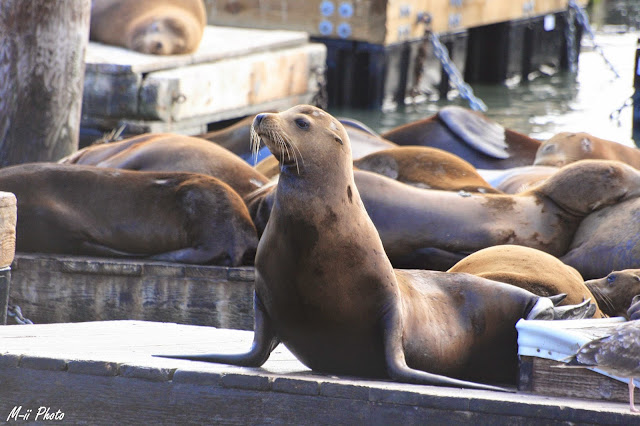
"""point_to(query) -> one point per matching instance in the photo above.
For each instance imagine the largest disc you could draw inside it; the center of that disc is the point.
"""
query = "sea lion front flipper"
(356, 124)
(397, 368)
(476, 131)
(264, 342)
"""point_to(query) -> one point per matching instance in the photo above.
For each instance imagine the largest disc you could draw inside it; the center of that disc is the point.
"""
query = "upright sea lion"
(325, 288)
(531, 269)
(566, 147)
(425, 167)
(159, 27)
(86, 210)
(616, 291)
(169, 152)
(469, 135)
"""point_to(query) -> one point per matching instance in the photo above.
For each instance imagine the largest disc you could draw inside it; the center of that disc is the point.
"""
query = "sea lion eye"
(548, 148)
(302, 123)
(611, 278)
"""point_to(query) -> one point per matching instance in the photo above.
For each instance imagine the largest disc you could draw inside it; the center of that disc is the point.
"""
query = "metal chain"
(15, 312)
(583, 20)
(455, 78)
(570, 36)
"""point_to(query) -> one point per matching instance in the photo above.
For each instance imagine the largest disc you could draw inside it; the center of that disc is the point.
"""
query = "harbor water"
(593, 99)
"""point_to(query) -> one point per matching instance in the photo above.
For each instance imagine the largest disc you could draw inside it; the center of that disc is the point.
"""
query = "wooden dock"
(235, 72)
(103, 373)
(58, 288)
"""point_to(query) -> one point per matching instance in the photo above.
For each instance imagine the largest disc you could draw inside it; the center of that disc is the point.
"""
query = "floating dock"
(104, 373)
(235, 72)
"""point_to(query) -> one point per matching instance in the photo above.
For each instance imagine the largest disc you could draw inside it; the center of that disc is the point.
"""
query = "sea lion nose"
(258, 119)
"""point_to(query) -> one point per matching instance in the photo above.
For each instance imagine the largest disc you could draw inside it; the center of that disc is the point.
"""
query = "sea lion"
(159, 27)
(169, 152)
(325, 288)
(236, 138)
(469, 135)
(425, 167)
(566, 147)
(520, 179)
(531, 269)
(607, 240)
(616, 291)
(432, 229)
(170, 216)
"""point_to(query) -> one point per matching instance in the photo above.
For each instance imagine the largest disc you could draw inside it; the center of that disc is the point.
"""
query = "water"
(583, 101)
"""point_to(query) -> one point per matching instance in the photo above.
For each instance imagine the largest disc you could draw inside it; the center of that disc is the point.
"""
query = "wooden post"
(8, 219)
(42, 48)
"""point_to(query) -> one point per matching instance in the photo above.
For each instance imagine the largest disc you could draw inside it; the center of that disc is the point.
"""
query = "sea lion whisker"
(255, 141)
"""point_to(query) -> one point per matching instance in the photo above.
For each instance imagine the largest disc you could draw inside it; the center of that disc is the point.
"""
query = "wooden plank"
(196, 125)
(57, 288)
(544, 378)
(217, 43)
(8, 218)
(205, 89)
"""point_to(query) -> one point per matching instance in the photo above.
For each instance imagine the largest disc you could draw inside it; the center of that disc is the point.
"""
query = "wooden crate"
(235, 72)
(373, 21)
(541, 346)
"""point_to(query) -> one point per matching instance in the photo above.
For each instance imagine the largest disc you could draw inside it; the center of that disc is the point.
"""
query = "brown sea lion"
(469, 135)
(531, 269)
(236, 137)
(521, 179)
(616, 291)
(430, 229)
(425, 167)
(325, 288)
(566, 147)
(607, 240)
(159, 27)
(169, 152)
(170, 216)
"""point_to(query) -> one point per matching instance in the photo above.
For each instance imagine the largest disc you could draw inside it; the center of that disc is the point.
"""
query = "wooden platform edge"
(102, 392)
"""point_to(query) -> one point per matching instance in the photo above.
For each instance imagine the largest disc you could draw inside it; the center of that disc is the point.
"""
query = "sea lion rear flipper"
(476, 131)
(545, 309)
(396, 363)
(264, 342)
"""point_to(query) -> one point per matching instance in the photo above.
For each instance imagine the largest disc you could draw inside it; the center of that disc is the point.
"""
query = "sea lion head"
(171, 33)
(565, 148)
(587, 185)
(616, 291)
(305, 140)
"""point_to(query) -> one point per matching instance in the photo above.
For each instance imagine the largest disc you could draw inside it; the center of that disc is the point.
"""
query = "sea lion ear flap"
(585, 143)
(338, 139)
